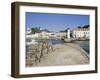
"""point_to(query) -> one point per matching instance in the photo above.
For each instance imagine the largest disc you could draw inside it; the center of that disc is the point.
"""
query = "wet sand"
(65, 54)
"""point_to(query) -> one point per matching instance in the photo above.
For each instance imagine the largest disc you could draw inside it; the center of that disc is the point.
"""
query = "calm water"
(56, 41)
(83, 44)
(53, 41)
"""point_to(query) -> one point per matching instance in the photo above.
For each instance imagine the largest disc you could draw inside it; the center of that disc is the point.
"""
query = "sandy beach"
(65, 54)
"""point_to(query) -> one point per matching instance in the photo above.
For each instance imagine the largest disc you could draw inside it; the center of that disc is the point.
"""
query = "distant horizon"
(55, 22)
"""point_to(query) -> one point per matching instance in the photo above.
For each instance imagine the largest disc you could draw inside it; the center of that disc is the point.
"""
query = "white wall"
(5, 40)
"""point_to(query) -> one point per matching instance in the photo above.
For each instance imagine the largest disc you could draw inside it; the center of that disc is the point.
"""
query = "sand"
(65, 54)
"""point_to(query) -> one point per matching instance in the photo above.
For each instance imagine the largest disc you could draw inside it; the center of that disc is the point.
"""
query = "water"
(83, 44)
(52, 41)
(56, 41)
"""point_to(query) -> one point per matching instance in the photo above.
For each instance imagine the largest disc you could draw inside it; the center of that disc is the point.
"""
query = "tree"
(35, 30)
(86, 26)
(61, 31)
(79, 27)
(64, 30)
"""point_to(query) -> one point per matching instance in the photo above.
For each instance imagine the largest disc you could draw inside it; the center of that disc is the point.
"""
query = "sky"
(55, 22)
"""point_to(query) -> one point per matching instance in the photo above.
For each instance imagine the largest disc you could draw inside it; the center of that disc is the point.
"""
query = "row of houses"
(45, 34)
(75, 33)
(81, 33)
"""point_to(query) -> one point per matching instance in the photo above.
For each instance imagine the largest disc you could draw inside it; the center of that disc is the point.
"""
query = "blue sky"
(55, 22)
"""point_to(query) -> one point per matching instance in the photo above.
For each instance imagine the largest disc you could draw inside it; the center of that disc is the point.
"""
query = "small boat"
(67, 40)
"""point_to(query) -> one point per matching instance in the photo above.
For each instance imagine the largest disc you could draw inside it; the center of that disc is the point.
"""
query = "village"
(69, 35)
(41, 48)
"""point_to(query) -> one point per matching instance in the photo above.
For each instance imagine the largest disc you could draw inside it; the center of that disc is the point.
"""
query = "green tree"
(35, 30)
(86, 26)
(79, 27)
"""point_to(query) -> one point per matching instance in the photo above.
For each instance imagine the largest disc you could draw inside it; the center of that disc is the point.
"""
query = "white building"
(81, 33)
(32, 36)
(60, 34)
(44, 34)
